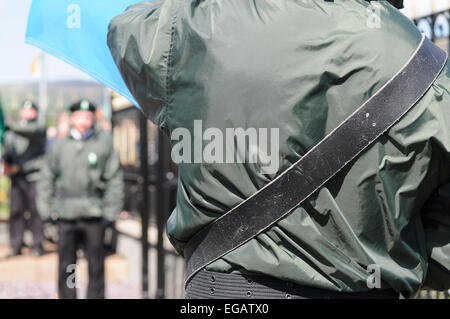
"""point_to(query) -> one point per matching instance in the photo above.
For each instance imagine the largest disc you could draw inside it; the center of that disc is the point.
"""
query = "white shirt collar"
(78, 136)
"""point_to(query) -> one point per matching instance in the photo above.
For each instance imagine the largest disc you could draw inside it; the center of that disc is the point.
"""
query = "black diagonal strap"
(278, 198)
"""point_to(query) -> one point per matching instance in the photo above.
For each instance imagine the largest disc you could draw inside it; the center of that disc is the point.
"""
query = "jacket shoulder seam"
(167, 83)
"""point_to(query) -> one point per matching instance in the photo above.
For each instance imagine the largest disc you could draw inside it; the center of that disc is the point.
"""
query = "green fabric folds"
(302, 67)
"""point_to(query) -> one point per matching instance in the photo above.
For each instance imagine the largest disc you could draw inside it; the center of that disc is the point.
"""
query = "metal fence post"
(144, 183)
(162, 207)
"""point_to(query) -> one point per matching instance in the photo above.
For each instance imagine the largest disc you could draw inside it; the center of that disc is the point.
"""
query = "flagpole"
(42, 92)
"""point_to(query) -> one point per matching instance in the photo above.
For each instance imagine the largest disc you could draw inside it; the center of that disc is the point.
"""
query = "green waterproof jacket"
(81, 178)
(24, 145)
(302, 67)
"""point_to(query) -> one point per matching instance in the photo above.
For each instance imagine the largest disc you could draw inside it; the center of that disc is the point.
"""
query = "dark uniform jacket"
(302, 67)
(24, 145)
(81, 178)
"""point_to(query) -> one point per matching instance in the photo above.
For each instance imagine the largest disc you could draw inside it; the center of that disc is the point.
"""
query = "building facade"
(432, 17)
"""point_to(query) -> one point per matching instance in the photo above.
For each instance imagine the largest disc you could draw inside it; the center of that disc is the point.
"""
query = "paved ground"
(35, 277)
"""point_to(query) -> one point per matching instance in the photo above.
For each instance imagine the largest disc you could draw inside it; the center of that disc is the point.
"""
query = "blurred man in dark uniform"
(23, 154)
(82, 173)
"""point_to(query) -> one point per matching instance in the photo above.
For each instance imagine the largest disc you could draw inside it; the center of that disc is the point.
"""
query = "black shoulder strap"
(278, 198)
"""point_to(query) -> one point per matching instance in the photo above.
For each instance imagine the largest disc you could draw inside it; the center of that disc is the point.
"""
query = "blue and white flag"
(75, 31)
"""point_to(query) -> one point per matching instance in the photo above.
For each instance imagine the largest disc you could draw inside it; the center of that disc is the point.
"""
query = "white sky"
(16, 56)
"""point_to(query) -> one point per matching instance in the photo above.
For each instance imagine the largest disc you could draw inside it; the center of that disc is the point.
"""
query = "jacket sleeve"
(36, 134)
(140, 43)
(436, 221)
(436, 211)
(113, 195)
(31, 131)
(46, 183)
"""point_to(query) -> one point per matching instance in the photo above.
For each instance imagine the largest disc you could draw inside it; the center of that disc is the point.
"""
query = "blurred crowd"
(67, 175)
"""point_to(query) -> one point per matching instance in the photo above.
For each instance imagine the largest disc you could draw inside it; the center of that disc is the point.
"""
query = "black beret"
(27, 104)
(83, 105)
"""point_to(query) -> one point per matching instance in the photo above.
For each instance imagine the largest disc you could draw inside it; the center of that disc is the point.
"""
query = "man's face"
(28, 114)
(82, 121)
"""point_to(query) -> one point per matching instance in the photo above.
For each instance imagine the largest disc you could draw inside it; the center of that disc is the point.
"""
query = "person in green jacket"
(24, 148)
(81, 184)
(300, 67)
